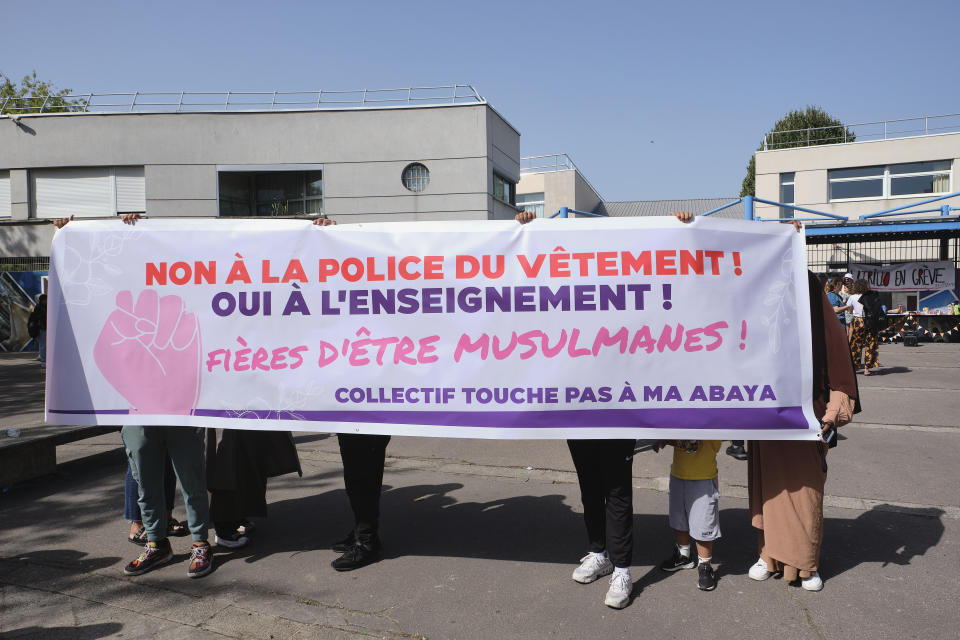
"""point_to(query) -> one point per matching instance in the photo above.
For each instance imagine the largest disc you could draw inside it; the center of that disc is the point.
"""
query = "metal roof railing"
(550, 163)
(221, 101)
(547, 163)
(862, 131)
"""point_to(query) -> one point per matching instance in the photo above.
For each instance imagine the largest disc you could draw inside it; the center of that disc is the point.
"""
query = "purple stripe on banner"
(785, 418)
(778, 418)
(92, 412)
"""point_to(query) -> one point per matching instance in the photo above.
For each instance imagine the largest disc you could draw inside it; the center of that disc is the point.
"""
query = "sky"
(651, 100)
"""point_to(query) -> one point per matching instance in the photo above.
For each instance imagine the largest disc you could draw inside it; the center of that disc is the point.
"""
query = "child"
(694, 507)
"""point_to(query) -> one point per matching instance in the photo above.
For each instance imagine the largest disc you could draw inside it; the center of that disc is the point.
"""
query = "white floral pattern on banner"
(85, 278)
(293, 399)
(780, 302)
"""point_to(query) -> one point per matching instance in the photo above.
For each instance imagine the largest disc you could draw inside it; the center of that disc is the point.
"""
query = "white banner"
(908, 276)
(641, 327)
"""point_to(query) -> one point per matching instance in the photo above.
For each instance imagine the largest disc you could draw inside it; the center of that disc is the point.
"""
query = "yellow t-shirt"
(701, 465)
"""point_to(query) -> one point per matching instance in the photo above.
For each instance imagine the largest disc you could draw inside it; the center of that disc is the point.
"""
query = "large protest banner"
(645, 328)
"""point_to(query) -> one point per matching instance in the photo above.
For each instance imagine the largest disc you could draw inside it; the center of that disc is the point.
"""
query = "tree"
(32, 95)
(806, 128)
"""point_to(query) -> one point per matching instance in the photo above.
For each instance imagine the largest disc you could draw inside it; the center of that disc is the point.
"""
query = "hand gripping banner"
(603, 328)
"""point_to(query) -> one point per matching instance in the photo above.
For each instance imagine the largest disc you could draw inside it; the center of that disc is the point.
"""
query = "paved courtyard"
(481, 537)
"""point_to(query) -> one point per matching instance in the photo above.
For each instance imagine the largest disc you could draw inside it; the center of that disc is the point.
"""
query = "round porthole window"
(415, 177)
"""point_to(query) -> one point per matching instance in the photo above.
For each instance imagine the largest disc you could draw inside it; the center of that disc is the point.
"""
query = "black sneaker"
(232, 540)
(358, 555)
(737, 451)
(340, 546)
(154, 555)
(678, 561)
(708, 578)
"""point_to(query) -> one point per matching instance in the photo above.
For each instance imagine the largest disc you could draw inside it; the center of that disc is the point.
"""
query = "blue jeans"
(42, 341)
(147, 450)
(131, 492)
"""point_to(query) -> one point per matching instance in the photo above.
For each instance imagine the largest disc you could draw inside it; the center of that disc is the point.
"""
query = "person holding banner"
(148, 448)
(238, 466)
(363, 457)
(786, 478)
(605, 475)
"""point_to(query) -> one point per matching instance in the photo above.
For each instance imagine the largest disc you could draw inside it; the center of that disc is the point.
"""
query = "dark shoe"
(737, 451)
(176, 528)
(246, 527)
(139, 538)
(232, 540)
(341, 546)
(708, 578)
(154, 555)
(358, 555)
(678, 561)
(201, 560)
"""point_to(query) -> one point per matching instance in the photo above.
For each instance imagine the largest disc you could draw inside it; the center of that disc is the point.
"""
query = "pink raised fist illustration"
(150, 353)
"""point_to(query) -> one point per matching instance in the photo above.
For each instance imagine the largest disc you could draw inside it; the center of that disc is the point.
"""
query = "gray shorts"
(695, 507)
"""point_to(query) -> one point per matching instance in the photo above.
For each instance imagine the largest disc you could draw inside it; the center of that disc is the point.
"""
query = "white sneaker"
(621, 586)
(813, 583)
(592, 566)
(759, 571)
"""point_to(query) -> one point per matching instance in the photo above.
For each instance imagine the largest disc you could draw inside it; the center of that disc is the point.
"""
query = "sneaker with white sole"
(621, 586)
(813, 583)
(231, 540)
(592, 566)
(678, 561)
(760, 570)
(708, 577)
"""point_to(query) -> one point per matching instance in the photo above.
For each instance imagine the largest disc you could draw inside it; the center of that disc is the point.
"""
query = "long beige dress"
(786, 478)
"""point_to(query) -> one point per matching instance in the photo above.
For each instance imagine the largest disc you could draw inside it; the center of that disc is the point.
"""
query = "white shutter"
(130, 190)
(83, 192)
(5, 206)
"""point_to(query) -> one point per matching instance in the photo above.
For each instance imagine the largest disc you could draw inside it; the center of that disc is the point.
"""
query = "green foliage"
(749, 185)
(32, 95)
(806, 128)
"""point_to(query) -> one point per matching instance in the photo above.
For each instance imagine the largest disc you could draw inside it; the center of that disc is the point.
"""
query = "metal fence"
(862, 131)
(835, 257)
(218, 101)
(24, 264)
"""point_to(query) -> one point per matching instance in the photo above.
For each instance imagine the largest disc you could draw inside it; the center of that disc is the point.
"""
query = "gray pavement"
(482, 536)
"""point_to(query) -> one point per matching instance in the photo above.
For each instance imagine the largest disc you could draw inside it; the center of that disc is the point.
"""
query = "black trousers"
(605, 471)
(363, 456)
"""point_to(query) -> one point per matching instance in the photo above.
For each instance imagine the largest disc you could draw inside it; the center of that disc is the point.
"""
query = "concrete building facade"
(550, 182)
(855, 178)
(457, 161)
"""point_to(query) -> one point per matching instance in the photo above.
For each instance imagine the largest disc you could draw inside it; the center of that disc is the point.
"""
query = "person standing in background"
(37, 327)
(846, 290)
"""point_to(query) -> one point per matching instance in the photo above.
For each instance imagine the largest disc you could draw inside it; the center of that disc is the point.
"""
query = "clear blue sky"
(703, 80)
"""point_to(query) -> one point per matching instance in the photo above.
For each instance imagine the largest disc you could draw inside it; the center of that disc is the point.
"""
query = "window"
(920, 178)
(87, 192)
(531, 202)
(503, 190)
(5, 206)
(271, 193)
(786, 194)
(895, 180)
(415, 177)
